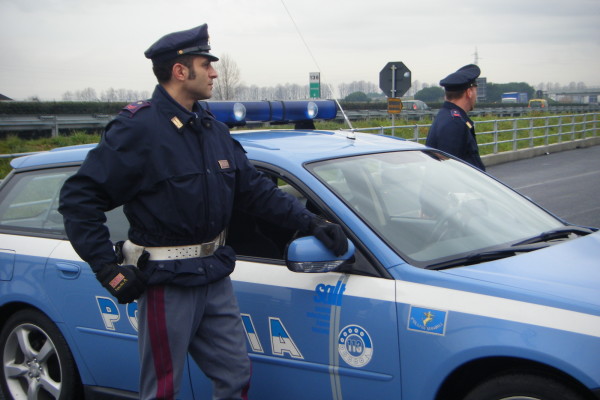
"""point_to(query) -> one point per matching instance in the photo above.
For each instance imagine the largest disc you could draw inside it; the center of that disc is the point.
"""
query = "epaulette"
(130, 109)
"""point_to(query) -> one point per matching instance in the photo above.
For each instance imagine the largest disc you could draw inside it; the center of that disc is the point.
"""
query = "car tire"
(520, 386)
(36, 360)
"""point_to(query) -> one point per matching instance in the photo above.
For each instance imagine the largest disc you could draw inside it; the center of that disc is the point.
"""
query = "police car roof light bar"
(239, 113)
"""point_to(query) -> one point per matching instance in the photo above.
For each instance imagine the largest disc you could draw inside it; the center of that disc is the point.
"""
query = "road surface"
(566, 183)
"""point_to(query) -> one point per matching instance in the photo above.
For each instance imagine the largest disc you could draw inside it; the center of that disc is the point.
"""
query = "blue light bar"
(228, 112)
(239, 113)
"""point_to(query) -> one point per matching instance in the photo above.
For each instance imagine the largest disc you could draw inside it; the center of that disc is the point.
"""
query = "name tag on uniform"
(224, 164)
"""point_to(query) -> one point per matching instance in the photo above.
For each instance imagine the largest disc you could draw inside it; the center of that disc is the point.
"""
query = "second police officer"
(452, 130)
(178, 173)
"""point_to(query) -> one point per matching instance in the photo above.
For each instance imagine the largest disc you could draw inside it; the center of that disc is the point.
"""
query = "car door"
(326, 336)
(62, 285)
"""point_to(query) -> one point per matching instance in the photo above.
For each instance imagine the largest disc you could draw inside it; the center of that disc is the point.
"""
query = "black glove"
(126, 282)
(330, 234)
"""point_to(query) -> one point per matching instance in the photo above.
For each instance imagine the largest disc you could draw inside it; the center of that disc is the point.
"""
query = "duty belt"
(132, 251)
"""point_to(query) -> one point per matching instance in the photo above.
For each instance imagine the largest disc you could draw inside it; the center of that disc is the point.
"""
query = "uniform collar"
(452, 106)
(172, 110)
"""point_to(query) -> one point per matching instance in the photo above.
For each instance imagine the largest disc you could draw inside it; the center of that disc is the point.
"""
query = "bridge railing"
(493, 136)
(498, 135)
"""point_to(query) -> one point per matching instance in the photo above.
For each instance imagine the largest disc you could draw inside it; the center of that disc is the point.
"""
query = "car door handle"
(68, 271)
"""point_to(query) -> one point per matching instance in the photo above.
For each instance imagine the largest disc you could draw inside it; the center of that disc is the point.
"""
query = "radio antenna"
(351, 134)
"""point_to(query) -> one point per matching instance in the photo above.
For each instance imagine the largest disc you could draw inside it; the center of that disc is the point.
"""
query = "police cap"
(462, 79)
(192, 41)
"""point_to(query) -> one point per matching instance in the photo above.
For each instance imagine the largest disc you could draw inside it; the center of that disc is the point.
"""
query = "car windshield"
(430, 208)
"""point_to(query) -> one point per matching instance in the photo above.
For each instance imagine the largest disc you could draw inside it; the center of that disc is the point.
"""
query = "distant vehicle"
(514, 97)
(414, 105)
(538, 103)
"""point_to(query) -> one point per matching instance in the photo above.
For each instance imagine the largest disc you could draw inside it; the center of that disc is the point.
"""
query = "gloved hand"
(126, 282)
(330, 234)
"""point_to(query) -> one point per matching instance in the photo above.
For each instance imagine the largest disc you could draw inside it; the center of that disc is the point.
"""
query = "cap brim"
(206, 54)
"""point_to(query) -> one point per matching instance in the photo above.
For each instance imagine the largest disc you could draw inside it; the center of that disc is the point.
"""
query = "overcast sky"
(48, 47)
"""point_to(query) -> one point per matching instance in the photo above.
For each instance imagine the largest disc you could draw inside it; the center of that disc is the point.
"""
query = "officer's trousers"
(204, 321)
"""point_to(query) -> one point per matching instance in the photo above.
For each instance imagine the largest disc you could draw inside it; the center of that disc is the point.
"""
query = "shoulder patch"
(130, 109)
(455, 113)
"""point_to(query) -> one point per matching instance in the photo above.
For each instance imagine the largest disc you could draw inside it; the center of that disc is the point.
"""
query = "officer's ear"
(180, 72)
(471, 92)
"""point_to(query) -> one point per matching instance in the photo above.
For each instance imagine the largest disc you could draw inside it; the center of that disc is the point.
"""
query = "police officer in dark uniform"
(178, 173)
(452, 130)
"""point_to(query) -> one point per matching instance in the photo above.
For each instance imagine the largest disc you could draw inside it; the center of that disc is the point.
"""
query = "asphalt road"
(566, 183)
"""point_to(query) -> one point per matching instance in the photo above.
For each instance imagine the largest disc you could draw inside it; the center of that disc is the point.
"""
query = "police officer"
(178, 173)
(452, 130)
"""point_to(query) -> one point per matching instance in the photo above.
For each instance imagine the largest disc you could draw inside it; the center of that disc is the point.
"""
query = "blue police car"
(456, 287)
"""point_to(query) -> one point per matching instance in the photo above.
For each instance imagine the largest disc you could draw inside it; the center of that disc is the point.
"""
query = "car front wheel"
(36, 361)
(523, 387)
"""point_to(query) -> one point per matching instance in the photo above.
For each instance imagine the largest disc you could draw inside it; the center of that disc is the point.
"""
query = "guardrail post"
(416, 133)
(546, 130)
(515, 134)
(495, 136)
(55, 128)
(560, 126)
(531, 132)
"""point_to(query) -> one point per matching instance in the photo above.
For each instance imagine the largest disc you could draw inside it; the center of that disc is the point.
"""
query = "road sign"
(315, 85)
(394, 105)
(394, 79)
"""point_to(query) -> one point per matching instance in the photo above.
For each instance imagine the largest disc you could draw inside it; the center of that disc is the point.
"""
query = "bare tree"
(87, 94)
(228, 81)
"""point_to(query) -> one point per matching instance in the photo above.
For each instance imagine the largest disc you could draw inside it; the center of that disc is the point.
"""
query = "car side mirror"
(307, 254)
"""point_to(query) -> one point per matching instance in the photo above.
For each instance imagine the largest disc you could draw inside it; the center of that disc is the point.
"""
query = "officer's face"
(200, 78)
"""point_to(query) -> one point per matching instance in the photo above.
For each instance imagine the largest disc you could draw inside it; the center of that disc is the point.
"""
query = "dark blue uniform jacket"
(178, 175)
(453, 131)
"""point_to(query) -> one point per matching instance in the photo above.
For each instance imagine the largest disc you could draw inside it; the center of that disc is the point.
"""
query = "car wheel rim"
(31, 364)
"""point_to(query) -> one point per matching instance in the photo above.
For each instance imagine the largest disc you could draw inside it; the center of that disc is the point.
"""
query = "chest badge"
(224, 164)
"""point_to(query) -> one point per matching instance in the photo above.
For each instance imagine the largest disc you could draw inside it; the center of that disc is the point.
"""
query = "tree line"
(230, 87)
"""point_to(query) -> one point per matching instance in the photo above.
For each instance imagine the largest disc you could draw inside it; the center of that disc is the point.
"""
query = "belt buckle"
(207, 249)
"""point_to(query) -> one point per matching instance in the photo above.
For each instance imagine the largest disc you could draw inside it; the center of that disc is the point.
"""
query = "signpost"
(315, 85)
(394, 81)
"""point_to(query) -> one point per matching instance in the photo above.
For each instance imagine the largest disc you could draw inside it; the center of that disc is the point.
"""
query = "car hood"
(566, 274)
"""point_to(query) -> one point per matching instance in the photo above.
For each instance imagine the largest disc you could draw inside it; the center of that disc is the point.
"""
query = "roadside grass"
(12, 144)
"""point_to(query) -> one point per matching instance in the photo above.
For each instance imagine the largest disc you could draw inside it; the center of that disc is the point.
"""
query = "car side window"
(254, 237)
(31, 202)
(30, 205)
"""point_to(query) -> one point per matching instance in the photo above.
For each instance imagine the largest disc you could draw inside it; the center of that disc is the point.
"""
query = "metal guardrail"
(512, 111)
(499, 134)
(54, 123)
(512, 134)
